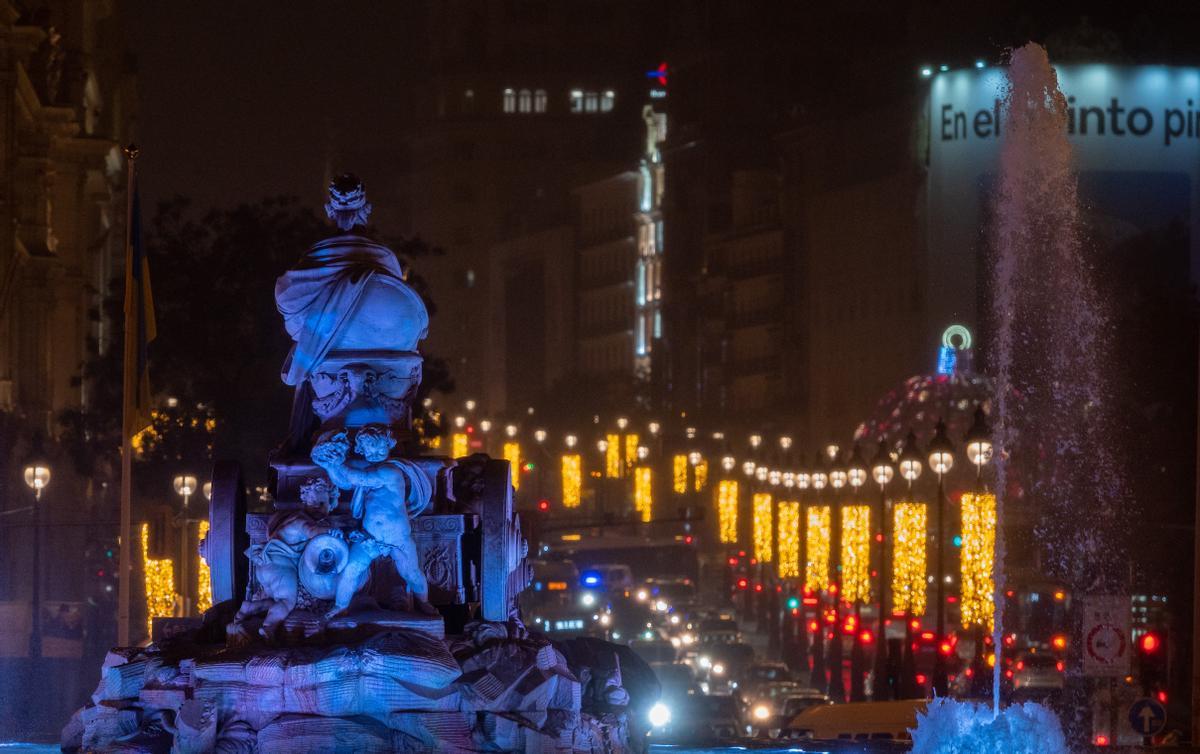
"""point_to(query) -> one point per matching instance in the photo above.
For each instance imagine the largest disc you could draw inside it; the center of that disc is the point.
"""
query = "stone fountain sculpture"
(375, 608)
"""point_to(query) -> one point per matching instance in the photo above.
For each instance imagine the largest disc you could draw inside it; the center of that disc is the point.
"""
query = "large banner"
(1135, 131)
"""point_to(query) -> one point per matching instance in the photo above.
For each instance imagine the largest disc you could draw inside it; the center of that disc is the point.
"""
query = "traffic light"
(743, 583)
(543, 505)
(1152, 660)
(793, 602)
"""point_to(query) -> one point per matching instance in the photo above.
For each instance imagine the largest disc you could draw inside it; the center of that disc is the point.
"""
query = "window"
(525, 101)
(510, 101)
(539, 101)
(592, 102)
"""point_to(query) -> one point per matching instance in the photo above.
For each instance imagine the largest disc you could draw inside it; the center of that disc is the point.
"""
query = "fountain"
(1051, 342)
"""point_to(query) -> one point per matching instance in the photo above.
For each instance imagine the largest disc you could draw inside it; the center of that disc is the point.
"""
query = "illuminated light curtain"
(763, 527)
(910, 526)
(203, 576)
(572, 480)
(458, 445)
(631, 446)
(679, 466)
(643, 492)
(612, 456)
(978, 559)
(160, 582)
(856, 553)
(817, 546)
(727, 511)
(701, 475)
(789, 540)
(512, 454)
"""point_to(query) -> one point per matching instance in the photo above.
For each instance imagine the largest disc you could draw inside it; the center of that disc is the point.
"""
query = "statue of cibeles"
(356, 324)
(388, 492)
(304, 554)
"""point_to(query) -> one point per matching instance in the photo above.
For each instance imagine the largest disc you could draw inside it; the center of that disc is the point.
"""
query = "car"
(610, 577)
(695, 719)
(719, 631)
(762, 708)
(882, 723)
(1037, 671)
(721, 665)
(655, 651)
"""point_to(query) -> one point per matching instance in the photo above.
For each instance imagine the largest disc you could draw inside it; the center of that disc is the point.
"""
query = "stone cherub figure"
(303, 549)
(387, 493)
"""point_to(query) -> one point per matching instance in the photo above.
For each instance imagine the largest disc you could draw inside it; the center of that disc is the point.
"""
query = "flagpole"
(129, 391)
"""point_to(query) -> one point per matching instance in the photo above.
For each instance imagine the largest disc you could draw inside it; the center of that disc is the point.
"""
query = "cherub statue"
(387, 493)
(278, 562)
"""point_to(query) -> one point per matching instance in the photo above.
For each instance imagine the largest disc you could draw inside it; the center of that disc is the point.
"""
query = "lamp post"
(837, 481)
(37, 477)
(978, 445)
(910, 469)
(882, 472)
(941, 460)
(856, 477)
(817, 680)
(185, 486)
(803, 481)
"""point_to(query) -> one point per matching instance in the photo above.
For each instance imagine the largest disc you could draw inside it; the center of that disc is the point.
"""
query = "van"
(856, 721)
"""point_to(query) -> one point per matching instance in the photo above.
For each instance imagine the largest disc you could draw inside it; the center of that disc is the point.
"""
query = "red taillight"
(1162, 696)
(743, 583)
(970, 673)
(920, 678)
(1020, 664)
(927, 635)
(946, 648)
(812, 626)
(733, 561)
(866, 637)
(1059, 666)
(758, 587)
(1150, 643)
(1008, 674)
(1101, 739)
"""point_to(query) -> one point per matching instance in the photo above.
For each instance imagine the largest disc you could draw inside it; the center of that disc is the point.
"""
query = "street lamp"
(653, 427)
(37, 477)
(837, 480)
(856, 477)
(882, 472)
(485, 425)
(727, 463)
(748, 468)
(941, 460)
(571, 441)
(979, 442)
(510, 430)
(910, 468)
(185, 486)
(539, 436)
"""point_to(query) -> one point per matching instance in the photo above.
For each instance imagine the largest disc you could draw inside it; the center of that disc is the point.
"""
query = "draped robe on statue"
(346, 294)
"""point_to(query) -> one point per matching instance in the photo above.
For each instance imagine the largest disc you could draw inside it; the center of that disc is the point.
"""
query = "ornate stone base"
(400, 690)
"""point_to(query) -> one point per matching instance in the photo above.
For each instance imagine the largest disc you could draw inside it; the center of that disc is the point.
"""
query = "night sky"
(251, 101)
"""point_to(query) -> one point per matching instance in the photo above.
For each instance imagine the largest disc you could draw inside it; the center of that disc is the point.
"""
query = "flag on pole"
(139, 322)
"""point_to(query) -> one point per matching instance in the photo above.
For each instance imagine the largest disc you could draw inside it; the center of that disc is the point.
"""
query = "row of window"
(526, 101)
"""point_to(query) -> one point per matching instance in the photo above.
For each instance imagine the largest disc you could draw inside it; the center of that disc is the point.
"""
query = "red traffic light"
(1150, 643)
(743, 583)
(543, 505)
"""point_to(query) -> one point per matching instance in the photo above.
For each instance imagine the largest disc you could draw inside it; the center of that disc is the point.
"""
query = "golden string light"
(856, 553)
(512, 454)
(203, 575)
(727, 511)
(817, 546)
(763, 527)
(789, 540)
(978, 559)
(612, 456)
(643, 492)
(572, 480)
(631, 446)
(679, 475)
(701, 475)
(458, 445)
(909, 533)
(160, 582)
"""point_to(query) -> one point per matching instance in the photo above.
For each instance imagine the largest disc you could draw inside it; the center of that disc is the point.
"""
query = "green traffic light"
(793, 603)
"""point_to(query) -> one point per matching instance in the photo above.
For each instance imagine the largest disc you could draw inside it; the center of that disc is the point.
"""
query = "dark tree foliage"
(214, 367)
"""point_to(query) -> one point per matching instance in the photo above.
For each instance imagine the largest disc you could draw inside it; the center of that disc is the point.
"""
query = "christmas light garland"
(978, 559)
(909, 534)
(727, 511)
(203, 575)
(763, 527)
(512, 454)
(643, 492)
(160, 582)
(679, 466)
(856, 553)
(572, 480)
(789, 540)
(817, 546)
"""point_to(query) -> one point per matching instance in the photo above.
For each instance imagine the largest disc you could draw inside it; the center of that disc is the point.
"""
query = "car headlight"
(641, 595)
(605, 620)
(718, 669)
(659, 715)
(704, 661)
(588, 599)
(761, 711)
(674, 620)
(661, 606)
(687, 639)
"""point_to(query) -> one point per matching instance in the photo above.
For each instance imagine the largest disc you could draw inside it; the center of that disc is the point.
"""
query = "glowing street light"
(539, 435)
(654, 427)
(571, 440)
(510, 430)
(469, 405)
(979, 442)
(460, 421)
(485, 425)
(727, 463)
(185, 486)
(941, 460)
(910, 460)
(882, 472)
(856, 471)
(748, 468)
(37, 477)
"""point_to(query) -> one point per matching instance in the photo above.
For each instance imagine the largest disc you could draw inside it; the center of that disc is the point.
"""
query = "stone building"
(66, 104)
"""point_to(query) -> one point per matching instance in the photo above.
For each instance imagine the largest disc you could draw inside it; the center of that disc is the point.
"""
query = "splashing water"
(950, 727)
(1052, 342)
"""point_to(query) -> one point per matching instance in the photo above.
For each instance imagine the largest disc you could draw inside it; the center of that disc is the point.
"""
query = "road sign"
(1106, 647)
(1147, 717)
